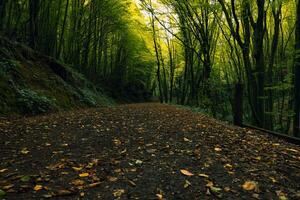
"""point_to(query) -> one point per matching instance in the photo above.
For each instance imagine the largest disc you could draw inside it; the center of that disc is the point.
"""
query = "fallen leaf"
(84, 175)
(77, 168)
(273, 180)
(203, 175)
(138, 162)
(78, 182)
(94, 184)
(249, 185)
(38, 187)
(7, 187)
(292, 150)
(118, 192)
(47, 196)
(117, 142)
(64, 192)
(186, 139)
(3, 170)
(112, 179)
(186, 184)
(159, 196)
(226, 189)
(217, 149)
(186, 172)
(132, 183)
(209, 184)
(228, 166)
(24, 151)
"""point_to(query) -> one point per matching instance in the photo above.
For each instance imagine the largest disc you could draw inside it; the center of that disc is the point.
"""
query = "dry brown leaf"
(78, 182)
(249, 185)
(112, 179)
(94, 184)
(186, 172)
(209, 184)
(7, 187)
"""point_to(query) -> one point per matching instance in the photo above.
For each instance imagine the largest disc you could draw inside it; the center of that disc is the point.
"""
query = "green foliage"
(33, 103)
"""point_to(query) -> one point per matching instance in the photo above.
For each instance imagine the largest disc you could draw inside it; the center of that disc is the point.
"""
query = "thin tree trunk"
(296, 125)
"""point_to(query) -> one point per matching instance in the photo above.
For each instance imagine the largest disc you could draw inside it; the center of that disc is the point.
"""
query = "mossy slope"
(32, 83)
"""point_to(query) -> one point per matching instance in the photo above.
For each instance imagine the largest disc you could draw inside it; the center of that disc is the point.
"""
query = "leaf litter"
(136, 151)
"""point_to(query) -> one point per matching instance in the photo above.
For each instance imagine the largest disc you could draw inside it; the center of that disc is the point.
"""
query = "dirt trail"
(143, 151)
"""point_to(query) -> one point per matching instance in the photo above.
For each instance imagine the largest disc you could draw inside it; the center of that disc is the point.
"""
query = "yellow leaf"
(203, 175)
(117, 142)
(77, 168)
(186, 172)
(38, 187)
(217, 149)
(258, 158)
(84, 175)
(159, 196)
(24, 151)
(187, 184)
(118, 192)
(249, 185)
(228, 166)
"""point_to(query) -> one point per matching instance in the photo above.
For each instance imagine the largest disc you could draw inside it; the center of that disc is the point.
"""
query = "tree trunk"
(258, 51)
(2, 13)
(238, 104)
(297, 76)
(33, 22)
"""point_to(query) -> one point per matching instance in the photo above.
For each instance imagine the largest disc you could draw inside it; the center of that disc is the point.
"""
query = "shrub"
(30, 102)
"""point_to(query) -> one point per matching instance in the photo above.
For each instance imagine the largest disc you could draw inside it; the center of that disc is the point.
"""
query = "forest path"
(142, 151)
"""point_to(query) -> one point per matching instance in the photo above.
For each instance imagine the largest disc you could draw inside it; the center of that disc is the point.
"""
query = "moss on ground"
(31, 83)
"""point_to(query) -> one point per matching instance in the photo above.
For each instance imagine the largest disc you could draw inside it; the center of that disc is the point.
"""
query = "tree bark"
(33, 22)
(297, 76)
